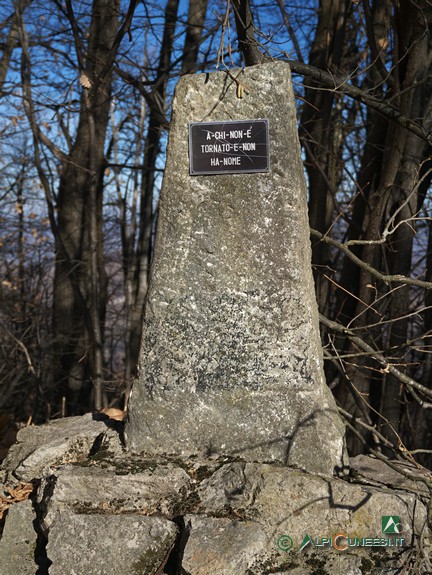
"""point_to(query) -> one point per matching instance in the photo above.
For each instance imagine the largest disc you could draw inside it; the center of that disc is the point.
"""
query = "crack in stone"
(174, 565)
(40, 507)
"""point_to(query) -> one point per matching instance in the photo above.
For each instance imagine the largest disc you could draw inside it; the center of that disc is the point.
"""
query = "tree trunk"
(138, 268)
(79, 273)
(194, 31)
(319, 135)
(388, 182)
(141, 269)
(245, 26)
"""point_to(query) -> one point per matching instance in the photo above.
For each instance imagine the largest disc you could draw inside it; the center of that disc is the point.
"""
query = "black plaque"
(229, 147)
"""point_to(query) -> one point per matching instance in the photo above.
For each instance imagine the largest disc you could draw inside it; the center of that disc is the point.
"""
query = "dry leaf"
(85, 81)
(3, 508)
(383, 43)
(14, 495)
(114, 413)
(20, 493)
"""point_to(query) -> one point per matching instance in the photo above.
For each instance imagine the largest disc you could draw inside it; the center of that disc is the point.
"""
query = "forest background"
(85, 93)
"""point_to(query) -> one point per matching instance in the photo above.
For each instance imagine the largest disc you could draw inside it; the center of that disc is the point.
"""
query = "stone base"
(261, 426)
(105, 511)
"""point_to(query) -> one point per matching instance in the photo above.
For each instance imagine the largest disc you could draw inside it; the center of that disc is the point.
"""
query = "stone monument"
(231, 361)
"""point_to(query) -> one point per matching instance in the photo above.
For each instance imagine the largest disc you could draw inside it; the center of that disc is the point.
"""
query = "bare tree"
(98, 129)
(365, 128)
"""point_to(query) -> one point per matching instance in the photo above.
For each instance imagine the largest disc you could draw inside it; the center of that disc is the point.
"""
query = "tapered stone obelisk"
(231, 360)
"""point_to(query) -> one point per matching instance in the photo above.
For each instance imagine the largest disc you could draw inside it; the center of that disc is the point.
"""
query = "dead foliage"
(114, 413)
(13, 495)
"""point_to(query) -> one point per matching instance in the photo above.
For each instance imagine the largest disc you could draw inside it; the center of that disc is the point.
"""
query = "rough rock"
(109, 544)
(145, 487)
(125, 514)
(291, 499)
(231, 360)
(227, 546)
(19, 540)
(40, 448)
(371, 470)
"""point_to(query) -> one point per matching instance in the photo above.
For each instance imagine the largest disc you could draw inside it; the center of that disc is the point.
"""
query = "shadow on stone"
(40, 507)
(174, 564)
(114, 424)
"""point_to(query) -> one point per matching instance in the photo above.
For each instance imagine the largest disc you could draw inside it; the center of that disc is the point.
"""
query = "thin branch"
(110, 59)
(341, 84)
(290, 29)
(151, 97)
(371, 428)
(387, 279)
(378, 357)
(22, 347)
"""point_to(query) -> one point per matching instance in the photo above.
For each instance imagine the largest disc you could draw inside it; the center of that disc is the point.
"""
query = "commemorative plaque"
(231, 147)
